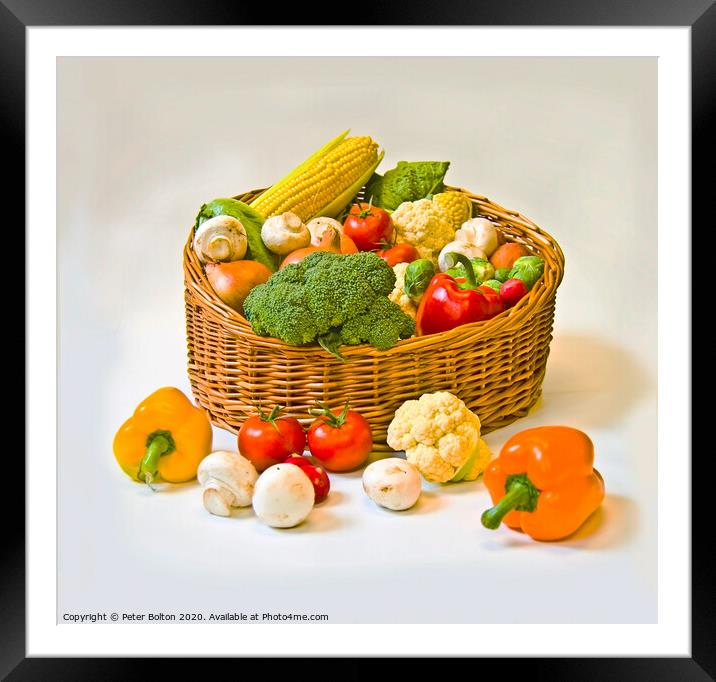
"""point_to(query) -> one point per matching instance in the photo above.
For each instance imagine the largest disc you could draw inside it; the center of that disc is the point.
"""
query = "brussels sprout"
(417, 277)
(482, 268)
(529, 269)
(502, 274)
(493, 284)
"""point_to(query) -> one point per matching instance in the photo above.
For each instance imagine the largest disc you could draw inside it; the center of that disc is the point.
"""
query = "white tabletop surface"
(571, 143)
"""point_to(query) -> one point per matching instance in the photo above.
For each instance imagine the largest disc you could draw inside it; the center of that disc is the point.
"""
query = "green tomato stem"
(272, 417)
(336, 421)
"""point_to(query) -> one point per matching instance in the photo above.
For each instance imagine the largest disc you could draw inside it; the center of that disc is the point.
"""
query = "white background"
(142, 143)
(601, 376)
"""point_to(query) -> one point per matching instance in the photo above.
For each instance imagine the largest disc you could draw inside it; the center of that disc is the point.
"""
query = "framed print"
(376, 329)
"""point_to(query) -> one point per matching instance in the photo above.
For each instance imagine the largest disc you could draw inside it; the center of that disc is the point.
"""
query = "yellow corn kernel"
(454, 205)
(320, 181)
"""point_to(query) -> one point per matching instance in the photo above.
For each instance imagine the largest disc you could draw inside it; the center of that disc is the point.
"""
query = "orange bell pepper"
(544, 483)
(165, 438)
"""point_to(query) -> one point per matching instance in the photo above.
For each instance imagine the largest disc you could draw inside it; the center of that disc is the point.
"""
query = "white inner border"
(670, 637)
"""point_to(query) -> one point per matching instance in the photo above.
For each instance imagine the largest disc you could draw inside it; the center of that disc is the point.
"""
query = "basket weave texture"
(496, 367)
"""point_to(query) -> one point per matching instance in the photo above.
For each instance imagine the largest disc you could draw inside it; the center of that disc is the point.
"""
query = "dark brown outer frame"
(496, 367)
(700, 15)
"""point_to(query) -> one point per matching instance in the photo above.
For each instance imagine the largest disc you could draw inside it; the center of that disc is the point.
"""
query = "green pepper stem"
(516, 496)
(148, 466)
(467, 264)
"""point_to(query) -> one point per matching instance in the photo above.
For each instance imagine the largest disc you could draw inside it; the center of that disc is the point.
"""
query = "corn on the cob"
(324, 183)
(455, 205)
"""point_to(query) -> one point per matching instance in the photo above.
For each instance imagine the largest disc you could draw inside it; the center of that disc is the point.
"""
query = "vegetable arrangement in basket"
(338, 255)
(308, 261)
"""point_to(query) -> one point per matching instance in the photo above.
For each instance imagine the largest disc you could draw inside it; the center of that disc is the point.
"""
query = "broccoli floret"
(382, 325)
(376, 271)
(330, 297)
(280, 309)
(338, 289)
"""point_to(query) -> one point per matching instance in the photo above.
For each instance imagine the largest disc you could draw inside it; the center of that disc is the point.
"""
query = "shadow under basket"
(496, 367)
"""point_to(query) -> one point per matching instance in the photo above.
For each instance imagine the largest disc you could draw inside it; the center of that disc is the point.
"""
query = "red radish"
(298, 460)
(512, 291)
(317, 475)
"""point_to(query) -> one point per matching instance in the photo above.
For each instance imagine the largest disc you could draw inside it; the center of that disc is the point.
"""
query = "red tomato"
(266, 440)
(400, 253)
(368, 226)
(512, 291)
(341, 442)
(317, 475)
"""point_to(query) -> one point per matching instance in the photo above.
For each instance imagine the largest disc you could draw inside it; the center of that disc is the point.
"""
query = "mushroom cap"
(221, 238)
(318, 226)
(285, 233)
(392, 483)
(283, 496)
(230, 474)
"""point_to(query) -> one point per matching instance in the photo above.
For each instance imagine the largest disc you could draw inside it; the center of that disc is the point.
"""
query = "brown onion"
(330, 242)
(233, 281)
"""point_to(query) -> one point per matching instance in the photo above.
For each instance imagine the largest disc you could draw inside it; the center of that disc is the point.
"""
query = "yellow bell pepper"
(165, 439)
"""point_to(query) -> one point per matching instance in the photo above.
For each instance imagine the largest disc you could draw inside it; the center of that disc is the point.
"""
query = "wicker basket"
(496, 366)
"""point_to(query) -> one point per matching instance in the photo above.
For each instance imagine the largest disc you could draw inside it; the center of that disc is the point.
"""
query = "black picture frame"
(699, 15)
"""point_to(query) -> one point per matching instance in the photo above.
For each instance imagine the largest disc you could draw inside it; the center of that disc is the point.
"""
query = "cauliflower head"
(423, 224)
(476, 463)
(398, 295)
(440, 436)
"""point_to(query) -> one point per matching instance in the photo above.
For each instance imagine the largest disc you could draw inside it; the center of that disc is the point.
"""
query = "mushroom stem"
(219, 248)
(218, 498)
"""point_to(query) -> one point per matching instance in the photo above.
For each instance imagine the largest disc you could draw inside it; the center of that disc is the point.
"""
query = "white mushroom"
(392, 483)
(222, 239)
(318, 227)
(283, 496)
(285, 233)
(228, 480)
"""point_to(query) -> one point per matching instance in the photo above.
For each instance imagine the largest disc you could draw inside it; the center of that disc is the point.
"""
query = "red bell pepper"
(445, 305)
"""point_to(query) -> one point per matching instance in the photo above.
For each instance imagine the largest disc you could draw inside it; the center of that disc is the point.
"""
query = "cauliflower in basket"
(423, 224)
(441, 438)
(398, 295)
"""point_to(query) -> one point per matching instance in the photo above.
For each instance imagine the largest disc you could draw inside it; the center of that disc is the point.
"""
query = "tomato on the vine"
(340, 441)
(370, 227)
(267, 439)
